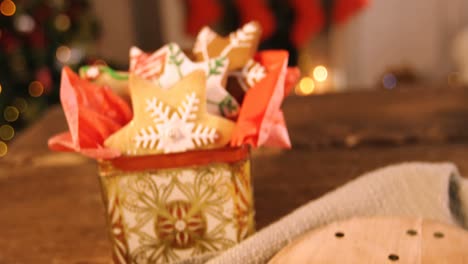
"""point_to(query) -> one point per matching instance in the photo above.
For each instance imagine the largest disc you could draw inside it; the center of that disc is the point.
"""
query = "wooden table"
(51, 209)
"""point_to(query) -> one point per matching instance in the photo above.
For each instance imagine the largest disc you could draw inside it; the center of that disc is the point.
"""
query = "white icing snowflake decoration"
(176, 131)
(240, 38)
(254, 72)
(204, 38)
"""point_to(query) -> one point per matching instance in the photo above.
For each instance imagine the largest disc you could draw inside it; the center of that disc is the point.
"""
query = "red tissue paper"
(93, 113)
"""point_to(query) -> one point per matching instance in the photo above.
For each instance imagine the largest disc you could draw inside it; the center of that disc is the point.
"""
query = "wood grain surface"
(51, 209)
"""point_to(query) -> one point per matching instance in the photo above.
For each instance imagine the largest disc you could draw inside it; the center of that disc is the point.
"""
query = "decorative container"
(164, 208)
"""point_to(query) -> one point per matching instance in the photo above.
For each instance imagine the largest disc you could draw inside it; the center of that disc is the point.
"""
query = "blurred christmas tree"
(37, 38)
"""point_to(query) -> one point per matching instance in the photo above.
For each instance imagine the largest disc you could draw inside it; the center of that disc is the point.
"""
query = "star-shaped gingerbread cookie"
(169, 64)
(239, 47)
(170, 120)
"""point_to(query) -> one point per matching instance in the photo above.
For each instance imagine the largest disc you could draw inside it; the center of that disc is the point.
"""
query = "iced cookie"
(239, 47)
(170, 64)
(170, 120)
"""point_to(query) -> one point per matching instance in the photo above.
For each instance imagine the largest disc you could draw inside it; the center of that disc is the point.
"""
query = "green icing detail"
(216, 65)
(121, 76)
(228, 106)
(116, 75)
(173, 59)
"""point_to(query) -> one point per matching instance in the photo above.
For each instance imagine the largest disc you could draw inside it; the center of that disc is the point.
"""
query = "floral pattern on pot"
(174, 214)
(183, 225)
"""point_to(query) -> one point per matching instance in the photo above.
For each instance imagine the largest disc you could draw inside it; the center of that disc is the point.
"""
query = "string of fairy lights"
(21, 106)
(10, 113)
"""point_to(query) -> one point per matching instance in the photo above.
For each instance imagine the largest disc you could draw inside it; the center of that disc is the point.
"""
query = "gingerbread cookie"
(239, 47)
(239, 82)
(170, 64)
(170, 120)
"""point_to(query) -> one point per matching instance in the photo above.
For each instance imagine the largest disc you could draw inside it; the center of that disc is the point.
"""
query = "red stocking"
(344, 9)
(309, 20)
(259, 11)
(202, 13)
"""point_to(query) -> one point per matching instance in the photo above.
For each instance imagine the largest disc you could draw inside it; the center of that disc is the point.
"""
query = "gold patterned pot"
(163, 208)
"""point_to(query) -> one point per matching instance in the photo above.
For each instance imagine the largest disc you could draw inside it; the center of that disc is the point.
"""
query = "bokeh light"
(10, 113)
(7, 8)
(24, 23)
(306, 86)
(389, 81)
(6, 132)
(62, 22)
(36, 89)
(21, 104)
(3, 149)
(34, 106)
(0, 88)
(320, 73)
(63, 54)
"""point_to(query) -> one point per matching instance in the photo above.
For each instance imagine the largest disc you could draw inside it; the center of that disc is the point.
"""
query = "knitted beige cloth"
(429, 190)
